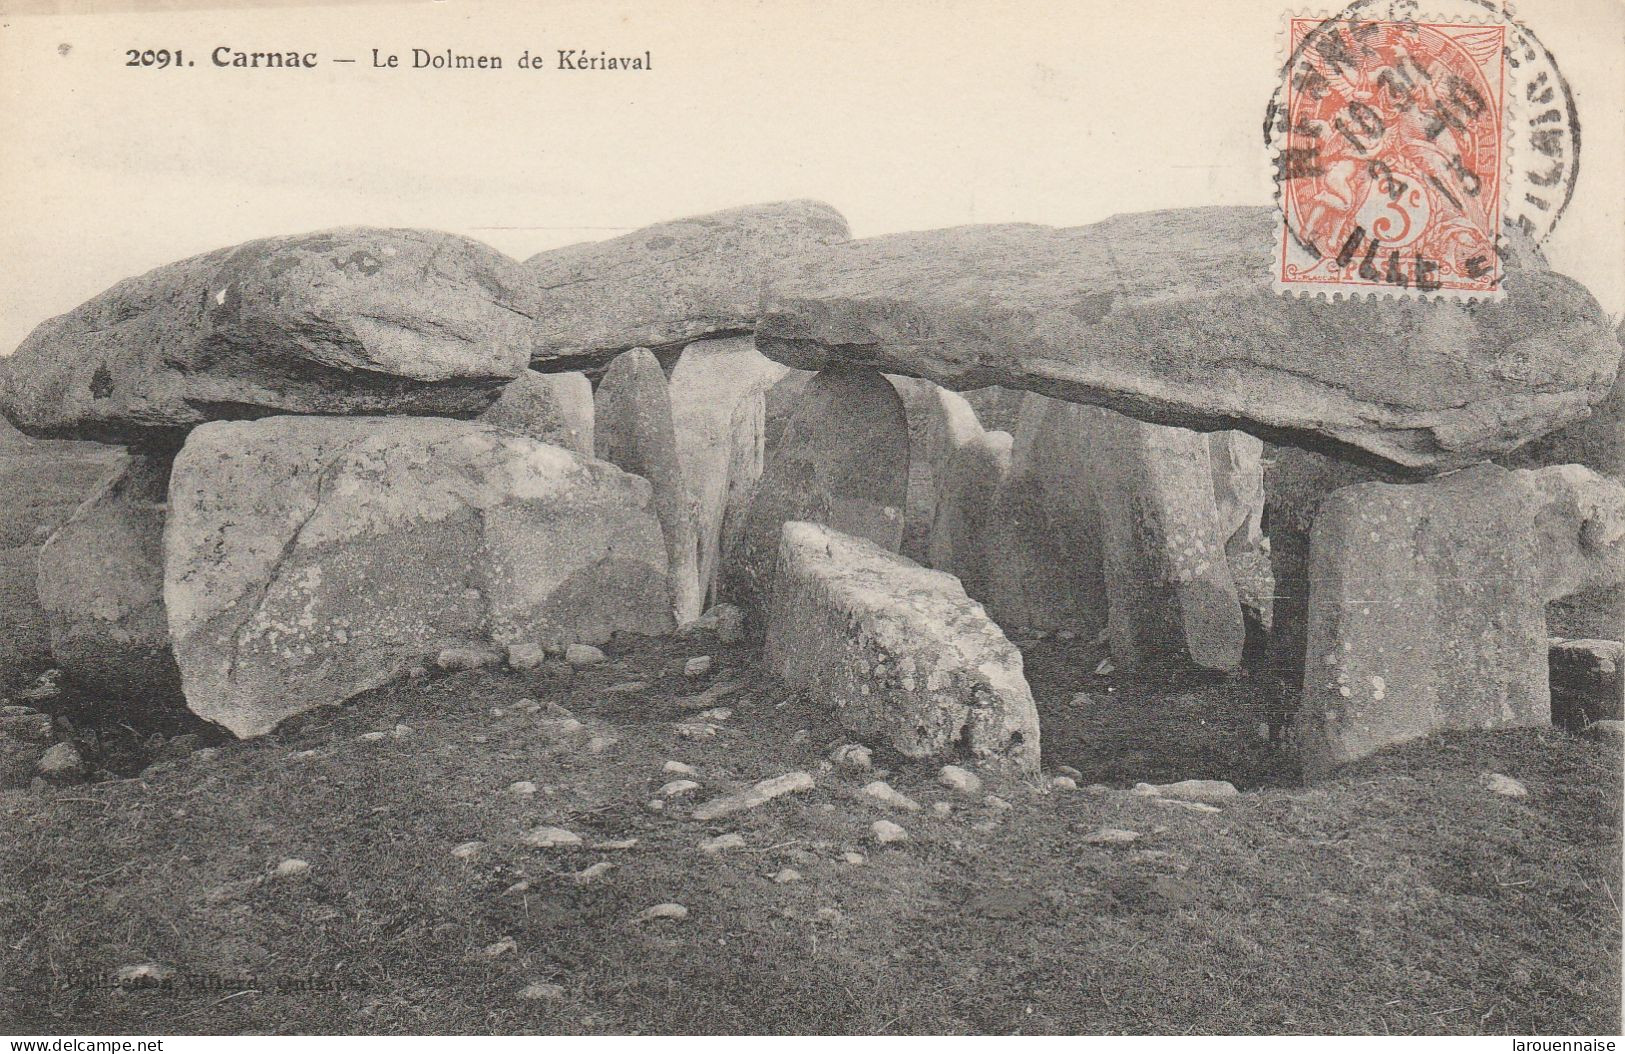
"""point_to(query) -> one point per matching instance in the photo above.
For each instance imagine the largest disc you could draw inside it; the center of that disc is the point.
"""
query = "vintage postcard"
(871, 518)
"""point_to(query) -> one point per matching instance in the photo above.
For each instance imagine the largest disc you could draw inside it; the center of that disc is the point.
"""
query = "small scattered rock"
(886, 794)
(620, 843)
(960, 779)
(526, 656)
(588, 875)
(599, 744)
(1110, 836)
(1188, 806)
(47, 686)
(829, 915)
(521, 886)
(758, 794)
(853, 858)
(1607, 730)
(454, 659)
(993, 801)
(542, 991)
(61, 764)
(691, 730)
(1506, 786)
(655, 805)
(853, 757)
(1190, 790)
(372, 737)
(722, 842)
(787, 875)
(1068, 770)
(676, 787)
(523, 788)
(401, 731)
(468, 850)
(551, 837)
(942, 808)
(497, 949)
(663, 911)
(291, 867)
(583, 655)
(627, 688)
(1064, 783)
(677, 768)
(698, 666)
(721, 713)
(885, 832)
(144, 975)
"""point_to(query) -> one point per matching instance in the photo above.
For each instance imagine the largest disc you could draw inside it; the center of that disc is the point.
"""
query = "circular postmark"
(1414, 142)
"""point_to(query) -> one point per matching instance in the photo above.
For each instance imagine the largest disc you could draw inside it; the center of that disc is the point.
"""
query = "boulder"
(843, 463)
(1171, 597)
(633, 429)
(898, 651)
(349, 321)
(1586, 682)
(718, 433)
(1172, 317)
(549, 408)
(1597, 442)
(311, 558)
(669, 284)
(101, 583)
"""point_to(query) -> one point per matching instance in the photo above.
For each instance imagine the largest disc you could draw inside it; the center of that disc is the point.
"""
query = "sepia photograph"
(716, 518)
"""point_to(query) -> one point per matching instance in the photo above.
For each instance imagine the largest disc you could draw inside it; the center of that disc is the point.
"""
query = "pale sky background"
(903, 115)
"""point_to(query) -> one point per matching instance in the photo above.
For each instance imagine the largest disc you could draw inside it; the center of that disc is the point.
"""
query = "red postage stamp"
(1392, 157)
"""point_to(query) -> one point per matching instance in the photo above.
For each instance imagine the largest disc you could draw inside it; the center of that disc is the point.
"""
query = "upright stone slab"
(711, 380)
(967, 503)
(1171, 596)
(843, 463)
(101, 582)
(898, 651)
(1238, 488)
(1426, 611)
(548, 407)
(308, 559)
(919, 406)
(1295, 483)
(1587, 681)
(953, 424)
(351, 321)
(633, 429)
(746, 457)
(1042, 545)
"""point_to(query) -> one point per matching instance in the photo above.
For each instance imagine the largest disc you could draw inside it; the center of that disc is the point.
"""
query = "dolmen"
(348, 451)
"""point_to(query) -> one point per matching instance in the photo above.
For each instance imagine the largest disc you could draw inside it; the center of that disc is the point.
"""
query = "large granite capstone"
(1170, 317)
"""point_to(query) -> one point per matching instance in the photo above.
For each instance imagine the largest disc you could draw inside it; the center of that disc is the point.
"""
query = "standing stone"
(633, 429)
(746, 456)
(711, 381)
(967, 502)
(1171, 595)
(308, 559)
(898, 651)
(350, 321)
(548, 407)
(781, 402)
(1238, 488)
(919, 406)
(101, 581)
(1295, 483)
(1426, 611)
(843, 463)
(953, 424)
(997, 408)
(1043, 542)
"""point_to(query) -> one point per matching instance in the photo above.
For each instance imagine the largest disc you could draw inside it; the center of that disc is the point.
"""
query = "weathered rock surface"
(843, 463)
(1238, 488)
(1168, 584)
(310, 558)
(718, 408)
(101, 583)
(349, 321)
(920, 408)
(668, 284)
(898, 651)
(633, 430)
(1426, 611)
(1587, 682)
(1171, 317)
(548, 407)
(1598, 442)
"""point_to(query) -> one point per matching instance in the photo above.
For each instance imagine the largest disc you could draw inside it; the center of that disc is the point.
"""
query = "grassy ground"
(1402, 897)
